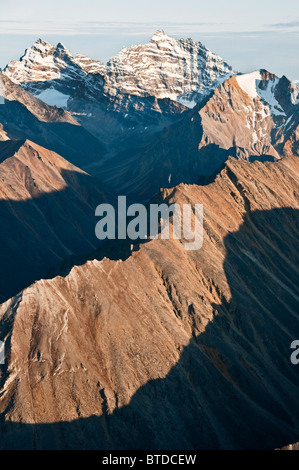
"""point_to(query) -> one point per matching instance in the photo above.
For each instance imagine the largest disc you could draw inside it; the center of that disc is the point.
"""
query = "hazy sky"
(249, 35)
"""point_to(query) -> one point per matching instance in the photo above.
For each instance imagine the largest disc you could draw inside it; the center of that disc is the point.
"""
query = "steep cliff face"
(44, 62)
(251, 116)
(182, 70)
(167, 348)
(139, 91)
(47, 208)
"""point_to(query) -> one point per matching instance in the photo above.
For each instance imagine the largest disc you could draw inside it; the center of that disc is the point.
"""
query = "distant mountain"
(167, 348)
(181, 70)
(47, 213)
(146, 345)
(251, 116)
(44, 63)
(141, 90)
(138, 105)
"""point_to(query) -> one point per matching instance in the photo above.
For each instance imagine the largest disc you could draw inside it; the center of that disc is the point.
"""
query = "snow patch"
(53, 98)
(185, 101)
(248, 83)
(268, 95)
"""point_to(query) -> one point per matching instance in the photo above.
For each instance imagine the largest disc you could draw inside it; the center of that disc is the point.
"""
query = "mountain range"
(123, 344)
(143, 96)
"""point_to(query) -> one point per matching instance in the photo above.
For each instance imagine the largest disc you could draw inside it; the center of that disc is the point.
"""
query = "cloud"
(290, 24)
(144, 29)
(101, 28)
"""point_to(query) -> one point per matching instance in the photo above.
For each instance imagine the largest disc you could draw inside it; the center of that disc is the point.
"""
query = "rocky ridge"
(167, 348)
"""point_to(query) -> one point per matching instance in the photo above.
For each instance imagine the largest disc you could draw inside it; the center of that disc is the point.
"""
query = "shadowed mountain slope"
(47, 213)
(22, 116)
(250, 117)
(139, 91)
(168, 348)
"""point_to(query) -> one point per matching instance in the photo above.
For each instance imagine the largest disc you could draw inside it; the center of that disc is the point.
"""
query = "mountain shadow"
(170, 157)
(234, 386)
(71, 141)
(38, 233)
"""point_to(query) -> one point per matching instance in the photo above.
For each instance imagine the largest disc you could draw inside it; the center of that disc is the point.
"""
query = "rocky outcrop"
(167, 348)
(249, 117)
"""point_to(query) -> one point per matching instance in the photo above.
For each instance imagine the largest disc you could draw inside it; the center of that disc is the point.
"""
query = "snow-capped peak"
(177, 69)
(248, 83)
(160, 35)
(39, 48)
(41, 44)
(62, 48)
(41, 62)
(279, 95)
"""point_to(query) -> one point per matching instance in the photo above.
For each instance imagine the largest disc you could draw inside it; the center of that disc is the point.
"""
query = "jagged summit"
(40, 46)
(42, 42)
(180, 70)
(160, 34)
(62, 47)
(51, 72)
(116, 354)
(279, 94)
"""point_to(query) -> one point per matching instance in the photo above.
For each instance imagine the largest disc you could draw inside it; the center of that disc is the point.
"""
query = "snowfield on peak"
(248, 82)
(53, 97)
(45, 67)
(267, 87)
(146, 88)
(181, 70)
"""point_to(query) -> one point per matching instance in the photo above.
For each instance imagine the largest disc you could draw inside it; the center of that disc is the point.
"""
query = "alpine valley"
(144, 345)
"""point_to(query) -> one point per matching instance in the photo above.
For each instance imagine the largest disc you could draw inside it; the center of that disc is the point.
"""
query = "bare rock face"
(251, 116)
(138, 92)
(167, 348)
(182, 70)
(42, 111)
(3, 134)
(44, 62)
(47, 209)
(163, 68)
